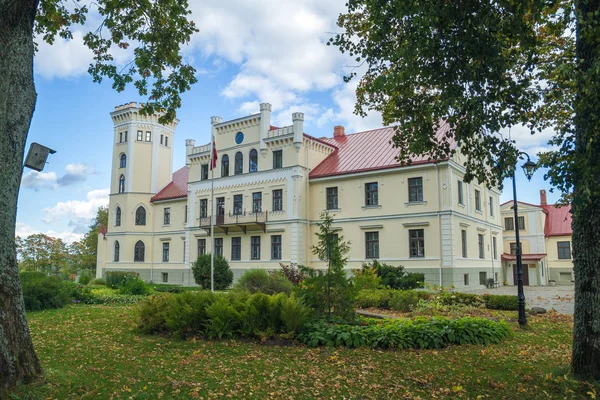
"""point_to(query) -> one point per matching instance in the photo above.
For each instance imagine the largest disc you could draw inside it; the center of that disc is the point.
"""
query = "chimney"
(543, 197)
(338, 131)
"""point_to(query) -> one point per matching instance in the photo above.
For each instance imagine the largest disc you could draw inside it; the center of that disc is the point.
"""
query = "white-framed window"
(416, 239)
(148, 136)
(167, 216)
(371, 244)
(165, 252)
(477, 200)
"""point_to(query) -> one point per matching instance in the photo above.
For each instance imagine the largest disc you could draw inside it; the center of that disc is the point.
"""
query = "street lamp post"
(529, 167)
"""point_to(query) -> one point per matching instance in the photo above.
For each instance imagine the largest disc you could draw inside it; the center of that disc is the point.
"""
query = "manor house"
(271, 184)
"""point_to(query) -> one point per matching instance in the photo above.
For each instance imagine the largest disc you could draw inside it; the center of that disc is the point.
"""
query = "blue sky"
(245, 53)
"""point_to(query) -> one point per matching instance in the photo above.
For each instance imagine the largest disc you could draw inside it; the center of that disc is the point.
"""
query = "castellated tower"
(142, 164)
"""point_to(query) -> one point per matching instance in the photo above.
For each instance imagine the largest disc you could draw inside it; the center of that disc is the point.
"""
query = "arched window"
(239, 163)
(118, 216)
(139, 251)
(140, 216)
(123, 161)
(122, 184)
(225, 165)
(116, 250)
(253, 167)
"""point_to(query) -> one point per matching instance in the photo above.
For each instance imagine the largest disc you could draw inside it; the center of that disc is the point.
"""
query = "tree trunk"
(18, 362)
(586, 199)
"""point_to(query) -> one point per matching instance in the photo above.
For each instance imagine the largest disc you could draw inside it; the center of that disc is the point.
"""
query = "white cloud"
(39, 180)
(64, 58)
(78, 213)
(48, 180)
(24, 230)
(525, 141)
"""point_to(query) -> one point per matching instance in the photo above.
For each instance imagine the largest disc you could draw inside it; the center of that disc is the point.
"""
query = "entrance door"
(525, 274)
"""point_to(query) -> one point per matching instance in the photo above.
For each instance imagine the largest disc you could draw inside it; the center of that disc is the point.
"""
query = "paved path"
(559, 298)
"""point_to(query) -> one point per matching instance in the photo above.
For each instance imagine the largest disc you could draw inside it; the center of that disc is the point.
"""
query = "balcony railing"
(242, 220)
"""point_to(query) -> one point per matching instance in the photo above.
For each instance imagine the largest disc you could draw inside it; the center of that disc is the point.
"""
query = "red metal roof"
(102, 230)
(527, 257)
(176, 189)
(365, 151)
(558, 220)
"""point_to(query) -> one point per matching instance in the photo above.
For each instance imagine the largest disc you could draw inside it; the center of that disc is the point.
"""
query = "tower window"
(122, 184)
(125, 136)
(123, 161)
(148, 136)
(120, 137)
(118, 216)
(140, 216)
(167, 141)
(139, 251)
(162, 139)
(140, 136)
(253, 166)
(239, 163)
(116, 255)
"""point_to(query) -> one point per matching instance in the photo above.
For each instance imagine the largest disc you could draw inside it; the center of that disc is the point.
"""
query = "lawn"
(92, 352)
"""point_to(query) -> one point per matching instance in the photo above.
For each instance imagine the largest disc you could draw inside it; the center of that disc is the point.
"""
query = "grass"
(91, 352)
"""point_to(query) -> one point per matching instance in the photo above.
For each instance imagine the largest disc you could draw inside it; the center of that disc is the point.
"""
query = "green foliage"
(452, 298)
(255, 280)
(378, 298)
(329, 293)
(105, 295)
(405, 300)
(136, 287)
(395, 277)
(85, 278)
(366, 278)
(166, 288)
(420, 333)
(221, 315)
(41, 292)
(501, 302)
(116, 279)
(97, 281)
(222, 274)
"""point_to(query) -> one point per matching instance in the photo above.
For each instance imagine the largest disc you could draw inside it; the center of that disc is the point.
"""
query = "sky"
(245, 53)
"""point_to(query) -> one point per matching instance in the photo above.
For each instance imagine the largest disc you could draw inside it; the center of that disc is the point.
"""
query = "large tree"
(484, 66)
(156, 29)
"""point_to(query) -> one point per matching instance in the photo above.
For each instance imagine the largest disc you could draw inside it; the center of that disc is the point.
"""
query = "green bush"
(501, 302)
(221, 315)
(97, 281)
(255, 280)
(85, 278)
(366, 278)
(405, 300)
(116, 279)
(41, 292)
(378, 298)
(166, 288)
(105, 295)
(420, 333)
(454, 298)
(222, 274)
(396, 277)
(136, 287)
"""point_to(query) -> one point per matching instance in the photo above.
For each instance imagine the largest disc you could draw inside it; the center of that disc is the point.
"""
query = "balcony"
(243, 222)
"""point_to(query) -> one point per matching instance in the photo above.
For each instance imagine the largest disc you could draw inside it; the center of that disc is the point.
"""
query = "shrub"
(366, 278)
(97, 281)
(223, 319)
(186, 313)
(105, 295)
(405, 300)
(166, 288)
(222, 274)
(294, 314)
(292, 273)
(136, 287)
(420, 333)
(41, 292)
(116, 279)
(501, 302)
(452, 298)
(256, 280)
(396, 277)
(151, 314)
(85, 278)
(378, 298)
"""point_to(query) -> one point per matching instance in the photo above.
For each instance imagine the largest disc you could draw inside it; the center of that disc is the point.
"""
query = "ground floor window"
(165, 277)
(219, 247)
(483, 278)
(466, 279)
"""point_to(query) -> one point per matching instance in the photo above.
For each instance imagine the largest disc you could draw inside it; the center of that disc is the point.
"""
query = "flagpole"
(212, 214)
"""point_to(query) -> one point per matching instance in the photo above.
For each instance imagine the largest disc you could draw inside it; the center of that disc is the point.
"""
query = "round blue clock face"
(239, 138)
